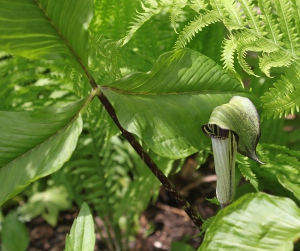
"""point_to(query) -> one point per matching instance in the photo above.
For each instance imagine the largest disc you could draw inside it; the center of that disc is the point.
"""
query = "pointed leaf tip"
(239, 116)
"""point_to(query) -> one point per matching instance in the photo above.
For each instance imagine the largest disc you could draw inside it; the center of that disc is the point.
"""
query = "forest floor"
(166, 221)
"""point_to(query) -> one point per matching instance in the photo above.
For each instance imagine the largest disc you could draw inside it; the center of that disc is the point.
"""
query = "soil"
(167, 222)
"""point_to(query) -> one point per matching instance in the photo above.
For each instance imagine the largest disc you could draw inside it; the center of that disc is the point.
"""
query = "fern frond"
(284, 165)
(229, 13)
(112, 17)
(270, 23)
(228, 51)
(139, 20)
(153, 3)
(285, 10)
(275, 59)
(284, 97)
(246, 41)
(198, 5)
(31, 84)
(195, 26)
(253, 19)
(297, 14)
(245, 167)
(104, 54)
(206, 225)
(176, 10)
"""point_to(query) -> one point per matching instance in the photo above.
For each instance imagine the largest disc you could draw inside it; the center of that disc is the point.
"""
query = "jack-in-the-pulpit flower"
(233, 127)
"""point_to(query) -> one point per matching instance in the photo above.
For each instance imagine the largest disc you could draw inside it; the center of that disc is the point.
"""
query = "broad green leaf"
(14, 235)
(44, 29)
(82, 235)
(254, 222)
(36, 144)
(167, 106)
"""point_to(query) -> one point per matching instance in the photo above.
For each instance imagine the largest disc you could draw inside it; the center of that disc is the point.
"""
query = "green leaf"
(254, 222)
(167, 106)
(48, 204)
(44, 29)
(14, 235)
(36, 144)
(82, 236)
(283, 163)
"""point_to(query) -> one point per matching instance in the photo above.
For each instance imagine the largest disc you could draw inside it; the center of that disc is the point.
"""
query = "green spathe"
(232, 127)
(239, 116)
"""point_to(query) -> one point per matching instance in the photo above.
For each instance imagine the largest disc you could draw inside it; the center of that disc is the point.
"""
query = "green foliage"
(208, 221)
(178, 83)
(179, 246)
(47, 204)
(39, 142)
(267, 28)
(283, 163)
(59, 34)
(245, 169)
(14, 235)
(82, 235)
(106, 173)
(54, 52)
(274, 225)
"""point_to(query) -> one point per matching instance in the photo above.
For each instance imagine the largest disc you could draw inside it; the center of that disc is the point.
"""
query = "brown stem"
(192, 212)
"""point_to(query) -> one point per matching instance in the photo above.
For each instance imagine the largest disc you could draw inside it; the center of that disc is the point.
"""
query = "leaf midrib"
(200, 92)
(66, 42)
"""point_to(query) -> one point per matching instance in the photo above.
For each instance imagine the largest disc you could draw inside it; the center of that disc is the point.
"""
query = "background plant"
(55, 62)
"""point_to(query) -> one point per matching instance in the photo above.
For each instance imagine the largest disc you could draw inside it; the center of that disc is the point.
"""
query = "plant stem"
(183, 203)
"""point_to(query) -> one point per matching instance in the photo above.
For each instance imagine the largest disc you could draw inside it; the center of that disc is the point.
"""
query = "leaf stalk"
(183, 203)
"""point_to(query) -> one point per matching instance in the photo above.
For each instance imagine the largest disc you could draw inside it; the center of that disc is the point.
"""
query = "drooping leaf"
(274, 228)
(167, 106)
(82, 235)
(283, 163)
(14, 235)
(44, 29)
(35, 144)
